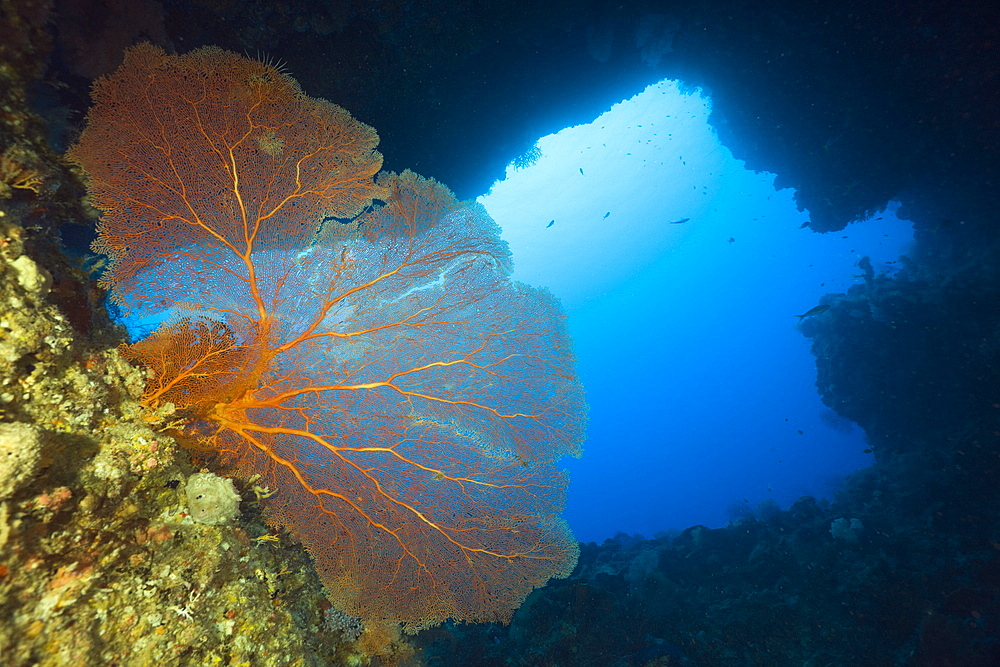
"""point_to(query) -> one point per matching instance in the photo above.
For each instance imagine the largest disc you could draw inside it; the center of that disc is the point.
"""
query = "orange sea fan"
(372, 360)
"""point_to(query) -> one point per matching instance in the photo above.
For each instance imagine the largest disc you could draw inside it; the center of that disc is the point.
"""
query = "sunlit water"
(682, 273)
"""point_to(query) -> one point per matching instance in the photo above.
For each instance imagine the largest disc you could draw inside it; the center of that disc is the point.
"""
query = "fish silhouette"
(815, 310)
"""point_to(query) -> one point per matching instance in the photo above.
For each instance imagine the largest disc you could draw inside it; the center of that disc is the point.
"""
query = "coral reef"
(371, 362)
(101, 561)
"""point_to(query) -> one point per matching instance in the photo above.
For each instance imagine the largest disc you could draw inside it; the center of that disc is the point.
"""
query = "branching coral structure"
(352, 342)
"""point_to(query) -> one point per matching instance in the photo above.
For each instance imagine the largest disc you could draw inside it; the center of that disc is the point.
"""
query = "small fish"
(804, 225)
(679, 222)
(814, 311)
(581, 171)
(607, 214)
(732, 240)
(551, 222)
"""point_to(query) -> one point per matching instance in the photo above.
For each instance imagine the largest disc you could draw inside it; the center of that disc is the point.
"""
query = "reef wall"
(851, 103)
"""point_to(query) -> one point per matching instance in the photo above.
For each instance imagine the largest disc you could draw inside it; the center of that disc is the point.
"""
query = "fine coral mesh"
(405, 399)
(209, 150)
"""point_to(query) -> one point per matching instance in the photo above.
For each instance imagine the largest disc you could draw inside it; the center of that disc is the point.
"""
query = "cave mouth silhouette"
(682, 273)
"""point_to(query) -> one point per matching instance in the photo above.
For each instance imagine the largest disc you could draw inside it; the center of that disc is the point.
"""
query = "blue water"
(701, 387)
(681, 273)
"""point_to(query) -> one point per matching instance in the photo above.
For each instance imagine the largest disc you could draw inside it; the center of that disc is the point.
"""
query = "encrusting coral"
(100, 560)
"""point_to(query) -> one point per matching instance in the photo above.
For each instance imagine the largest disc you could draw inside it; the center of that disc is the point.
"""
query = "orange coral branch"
(406, 398)
(17, 175)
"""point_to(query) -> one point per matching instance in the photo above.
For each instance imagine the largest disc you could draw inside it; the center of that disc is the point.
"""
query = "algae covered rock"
(20, 454)
(212, 500)
(32, 277)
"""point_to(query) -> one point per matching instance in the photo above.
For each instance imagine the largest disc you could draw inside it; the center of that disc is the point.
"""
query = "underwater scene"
(612, 334)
